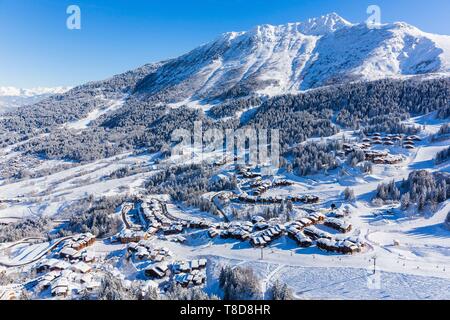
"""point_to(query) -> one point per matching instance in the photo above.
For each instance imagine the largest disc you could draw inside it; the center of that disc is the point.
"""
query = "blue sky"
(117, 35)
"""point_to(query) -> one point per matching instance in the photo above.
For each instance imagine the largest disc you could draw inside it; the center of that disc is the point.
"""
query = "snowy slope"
(298, 56)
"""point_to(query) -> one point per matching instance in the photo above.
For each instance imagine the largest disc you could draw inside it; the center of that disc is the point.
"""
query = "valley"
(356, 204)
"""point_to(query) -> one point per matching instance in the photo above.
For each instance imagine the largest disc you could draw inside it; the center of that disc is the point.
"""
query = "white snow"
(111, 105)
(299, 56)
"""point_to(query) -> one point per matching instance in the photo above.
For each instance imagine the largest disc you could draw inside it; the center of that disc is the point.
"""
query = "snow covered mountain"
(12, 97)
(298, 56)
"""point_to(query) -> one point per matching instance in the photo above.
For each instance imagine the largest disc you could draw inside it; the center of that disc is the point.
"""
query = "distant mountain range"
(12, 97)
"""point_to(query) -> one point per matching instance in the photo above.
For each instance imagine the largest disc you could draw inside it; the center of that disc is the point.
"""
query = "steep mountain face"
(12, 97)
(140, 108)
(297, 56)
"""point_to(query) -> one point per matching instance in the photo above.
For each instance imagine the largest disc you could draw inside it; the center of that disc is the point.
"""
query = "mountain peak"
(318, 26)
(276, 59)
(323, 24)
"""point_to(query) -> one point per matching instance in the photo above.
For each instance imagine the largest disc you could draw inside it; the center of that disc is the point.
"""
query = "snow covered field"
(412, 252)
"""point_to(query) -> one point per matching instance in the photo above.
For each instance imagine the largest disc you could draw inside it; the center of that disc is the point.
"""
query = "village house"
(338, 224)
(60, 287)
(315, 233)
(127, 236)
(81, 267)
(157, 271)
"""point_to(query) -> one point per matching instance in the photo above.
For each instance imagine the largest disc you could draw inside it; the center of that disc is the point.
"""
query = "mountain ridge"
(295, 57)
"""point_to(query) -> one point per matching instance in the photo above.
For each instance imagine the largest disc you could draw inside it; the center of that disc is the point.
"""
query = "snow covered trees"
(177, 292)
(29, 227)
(426, 188)
(405, 201)
(442, 156)
(145, 122)
(311, 158)
(96, 217)
(239, 284)
(422, 188)
(349, 194)
(388, 192)
(279, 291)
(112, 288)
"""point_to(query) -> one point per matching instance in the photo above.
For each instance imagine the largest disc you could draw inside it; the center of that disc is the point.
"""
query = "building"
(128, 235)
(338, 224)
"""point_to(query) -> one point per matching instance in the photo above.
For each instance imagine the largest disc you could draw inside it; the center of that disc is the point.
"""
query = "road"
(38, 257)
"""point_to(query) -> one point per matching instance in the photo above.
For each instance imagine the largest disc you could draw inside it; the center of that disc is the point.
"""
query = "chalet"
(327, 245)
(182, 279)
(188, 266)
(88, 256)
(142, 253)
(195, 277)
(81, 267)
(225, 234)
(127, 236)
(132, 246)
(313, 219)
(338, 224)
(317, 215)
(302, 240)
(311, 199)
(393, 159)
(247, 226)
(372, 154)
(281, 183)
(47, 279)
(173, 229)
(305, 222)
(60, 266)
(414, 138)
(315, 233)
(157, 271)
(256, 219)
(60, 287)
(240, 234)
(348, 247)
(378, 160)
(46, 265)
(69, 253)
(261, 225)
(345, 246)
